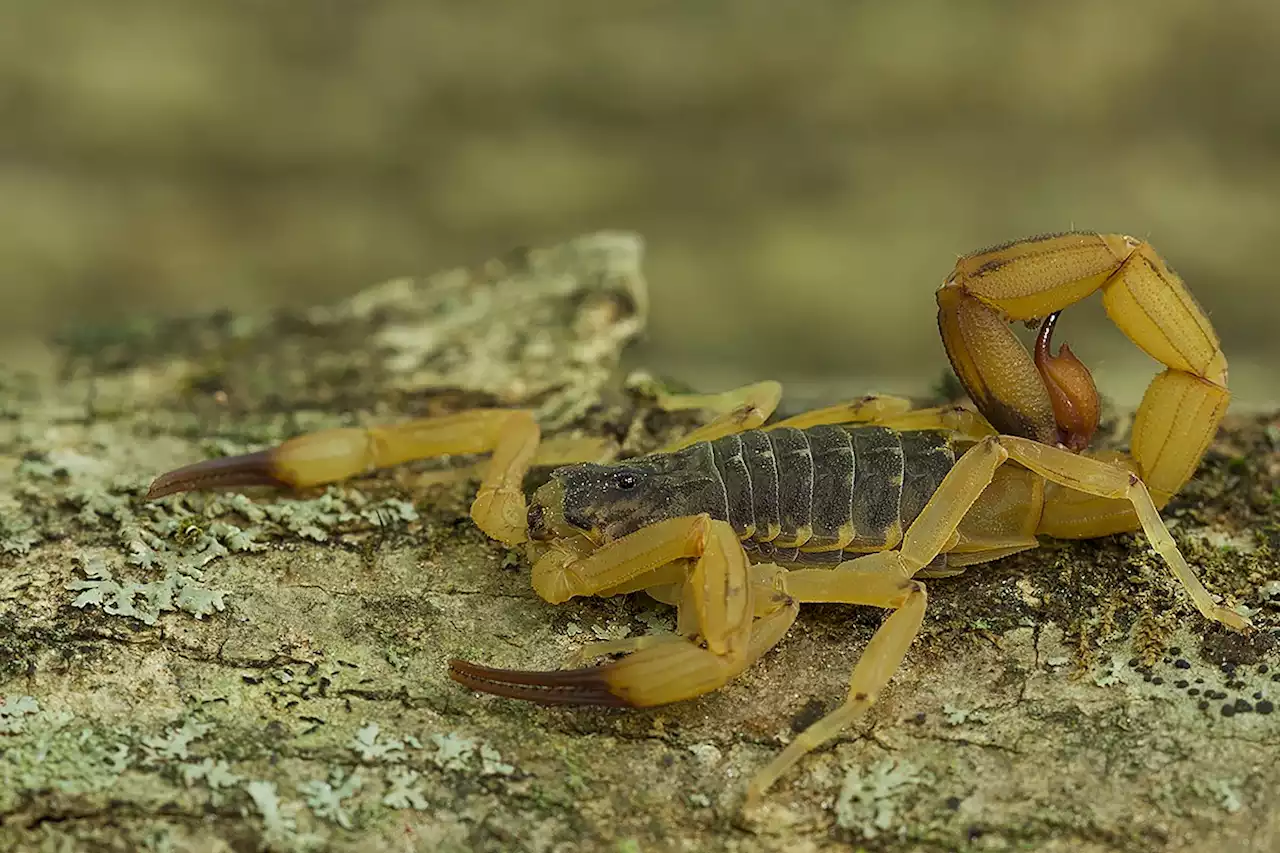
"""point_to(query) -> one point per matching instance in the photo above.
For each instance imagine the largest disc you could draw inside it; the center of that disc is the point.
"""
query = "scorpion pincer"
(740, 522)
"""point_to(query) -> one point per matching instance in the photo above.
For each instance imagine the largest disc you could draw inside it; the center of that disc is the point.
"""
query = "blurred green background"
(805, 173)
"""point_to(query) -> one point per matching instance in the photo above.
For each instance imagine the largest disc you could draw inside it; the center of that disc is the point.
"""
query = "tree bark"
(239, 671)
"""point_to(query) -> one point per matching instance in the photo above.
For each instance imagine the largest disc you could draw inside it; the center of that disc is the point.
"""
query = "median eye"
(625, 480)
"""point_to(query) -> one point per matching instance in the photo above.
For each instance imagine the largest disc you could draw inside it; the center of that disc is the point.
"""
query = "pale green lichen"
(311, 519)
(216, 774)
(1110, 672)
(288, 685)
(243, 505)
(959, 716)
(142, 546)
(94, 503)
(454, 752)
(658, 620)
(491, 763)
(18, 534)
(279, 821)
(151, 538)
(870, 798)
(611, 632)
(404, 790)
(708, 753)
(143, 601)
(315, 519)
(13, 711)
(326, 799)
(236, 538)
(366, 743)
(1226, 795)
(54, 756)
(174, 743)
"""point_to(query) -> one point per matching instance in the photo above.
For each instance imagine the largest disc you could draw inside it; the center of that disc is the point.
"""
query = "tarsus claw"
(1071, 390)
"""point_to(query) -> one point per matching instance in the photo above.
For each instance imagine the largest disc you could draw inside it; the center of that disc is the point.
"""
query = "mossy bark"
(228, 672)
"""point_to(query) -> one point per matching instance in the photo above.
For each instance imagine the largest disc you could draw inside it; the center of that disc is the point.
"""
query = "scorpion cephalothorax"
(738, 523)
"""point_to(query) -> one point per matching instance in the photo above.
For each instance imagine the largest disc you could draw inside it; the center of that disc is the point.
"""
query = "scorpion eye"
(625, 480)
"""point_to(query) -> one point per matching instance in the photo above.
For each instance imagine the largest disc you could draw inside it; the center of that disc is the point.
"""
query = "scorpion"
(740, 522)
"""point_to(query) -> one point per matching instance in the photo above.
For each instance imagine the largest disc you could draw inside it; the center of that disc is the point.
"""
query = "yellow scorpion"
(738, 523)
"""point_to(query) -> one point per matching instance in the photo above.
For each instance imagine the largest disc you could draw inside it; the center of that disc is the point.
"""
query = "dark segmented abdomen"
(928, 457)
(833, 467)
(730, 460)
(762, 468)
(828, 493)
(877, 487)
(795, 486)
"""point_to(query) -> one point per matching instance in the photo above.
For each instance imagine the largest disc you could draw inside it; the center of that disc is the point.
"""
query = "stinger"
(1071, 390)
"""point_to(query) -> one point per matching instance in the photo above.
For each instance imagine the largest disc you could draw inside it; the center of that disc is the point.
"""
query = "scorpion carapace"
(739, 523)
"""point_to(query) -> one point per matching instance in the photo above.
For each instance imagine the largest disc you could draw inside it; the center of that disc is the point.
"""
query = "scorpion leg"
(740, 409)
(561, 450)
(886, 575)
(895, 413)
(872, 408)
(958, 420)
(749, 407)
(884, 579)
(1115, 482)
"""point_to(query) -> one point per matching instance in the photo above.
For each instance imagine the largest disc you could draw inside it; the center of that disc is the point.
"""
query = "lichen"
(216, 774)
(279, 820)
(1227, 796)
(368, 746)
(870, 798)
(452, 751)
(326, 798)
(956, 716)
(18, 534)
(173, 744)
(54, 755)
(143, 601)
(404, 790)
(13, 711)
(491, 763)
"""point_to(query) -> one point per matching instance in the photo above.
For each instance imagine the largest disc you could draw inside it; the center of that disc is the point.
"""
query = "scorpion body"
(795, 497)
